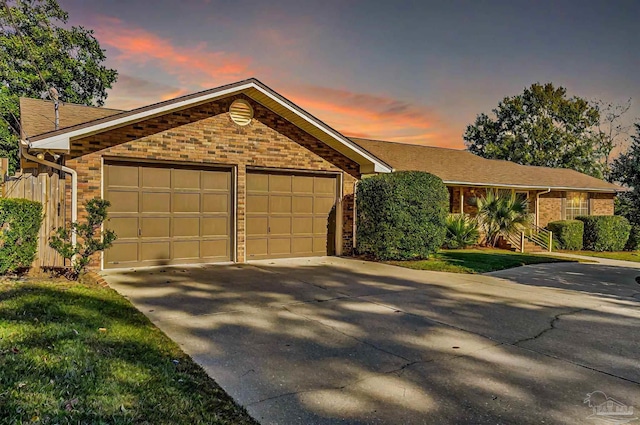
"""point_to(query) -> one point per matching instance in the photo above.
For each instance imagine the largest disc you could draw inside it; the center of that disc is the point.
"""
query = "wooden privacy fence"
(49, 190)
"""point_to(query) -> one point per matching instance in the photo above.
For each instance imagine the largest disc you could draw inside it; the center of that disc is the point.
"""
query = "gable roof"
(464, 168)
(60, 140)
(37, 116)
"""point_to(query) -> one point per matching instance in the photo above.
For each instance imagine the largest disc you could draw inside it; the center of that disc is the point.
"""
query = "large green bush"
(605, 232)
(401, 215)
(20, 221)
(633, 244)
(568, 233)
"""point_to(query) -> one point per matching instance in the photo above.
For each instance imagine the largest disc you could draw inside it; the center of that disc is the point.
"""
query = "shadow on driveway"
(331, 340)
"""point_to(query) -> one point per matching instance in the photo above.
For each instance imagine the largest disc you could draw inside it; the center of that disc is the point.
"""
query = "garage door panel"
(258, 204)
(302, 246)
(155, 227)
(156, 178)
(215, 203)
(324, 185)
(280, 204)
(125, 253)
(186, 202)
(186, 227)
(183, 250)
(257, 182)
(279, 183)
(257, 226)
(158, 217)
(303, 225)
(320, 225)
(124, 227)
(123, 176)
(303, 184)
(257, 247)
(186, 179)
(155, 251)
(216, 180)
(156, 202)
(303, 204)
(215, 226)
(279, 246)
(320, 245)
(216, 249)
(280, 225)
(323, 205)
(123, 202)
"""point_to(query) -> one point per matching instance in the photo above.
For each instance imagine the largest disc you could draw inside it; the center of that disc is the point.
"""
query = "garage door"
(290, 215)
(166, 214)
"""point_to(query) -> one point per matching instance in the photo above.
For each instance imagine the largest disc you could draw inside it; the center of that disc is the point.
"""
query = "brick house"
(239, 172)
(553, 193)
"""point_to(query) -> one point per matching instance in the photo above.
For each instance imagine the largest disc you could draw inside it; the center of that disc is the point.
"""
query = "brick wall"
(550, 207)
(602, 203)
(206, 134)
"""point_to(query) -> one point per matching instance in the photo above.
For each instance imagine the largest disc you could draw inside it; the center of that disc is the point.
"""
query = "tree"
(38, 52)
(626, 170)
(91, 238)
(501, 215)
(542, 127)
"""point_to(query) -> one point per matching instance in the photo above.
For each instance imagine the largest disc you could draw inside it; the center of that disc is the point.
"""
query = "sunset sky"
(413, 71)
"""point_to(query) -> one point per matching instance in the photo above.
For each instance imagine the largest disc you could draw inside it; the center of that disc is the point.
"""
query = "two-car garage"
(169, 213)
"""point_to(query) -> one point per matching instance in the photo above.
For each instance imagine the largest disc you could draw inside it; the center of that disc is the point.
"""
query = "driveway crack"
(552, 325)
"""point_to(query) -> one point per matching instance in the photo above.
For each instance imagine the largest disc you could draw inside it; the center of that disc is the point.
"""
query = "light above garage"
(241, 112)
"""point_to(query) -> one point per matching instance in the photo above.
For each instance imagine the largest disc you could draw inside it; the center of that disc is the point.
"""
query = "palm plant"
(501, 214)
(462, 231)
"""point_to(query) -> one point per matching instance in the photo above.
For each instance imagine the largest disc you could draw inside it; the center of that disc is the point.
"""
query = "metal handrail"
(540, 236)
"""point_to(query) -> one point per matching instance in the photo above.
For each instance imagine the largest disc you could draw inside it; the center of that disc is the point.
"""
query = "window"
(577, 205)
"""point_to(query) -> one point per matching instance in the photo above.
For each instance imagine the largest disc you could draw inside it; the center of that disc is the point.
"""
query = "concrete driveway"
(335, 341)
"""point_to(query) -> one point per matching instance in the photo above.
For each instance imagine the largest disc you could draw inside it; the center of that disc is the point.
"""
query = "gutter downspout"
(538, 205)
(74, 184)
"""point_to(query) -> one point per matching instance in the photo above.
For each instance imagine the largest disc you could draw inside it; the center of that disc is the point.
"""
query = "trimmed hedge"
(568, 233)
(401, 216)
(633, 244)
(20, 221)
(605, 232)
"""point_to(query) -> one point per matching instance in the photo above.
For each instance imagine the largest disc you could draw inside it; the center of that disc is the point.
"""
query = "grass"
(80, 353)
(476, 261)
(616, 255)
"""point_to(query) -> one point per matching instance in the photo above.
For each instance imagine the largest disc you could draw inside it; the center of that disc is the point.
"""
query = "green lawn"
(79, 353)
(476, 261)
(618, 255)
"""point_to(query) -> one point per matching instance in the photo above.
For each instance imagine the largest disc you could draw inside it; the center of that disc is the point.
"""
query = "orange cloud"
(378, 117)
(137, 45)
(352, 113)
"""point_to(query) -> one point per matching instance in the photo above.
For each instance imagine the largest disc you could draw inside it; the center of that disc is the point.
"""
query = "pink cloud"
(352, 113)
(137, 45)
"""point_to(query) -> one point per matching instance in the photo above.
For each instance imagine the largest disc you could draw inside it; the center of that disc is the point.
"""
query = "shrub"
(401, 215)
(90, 239)
(501, 215)
(605, 232)
(568, 233)
(462, 231)
(633, 243)
(20, 221)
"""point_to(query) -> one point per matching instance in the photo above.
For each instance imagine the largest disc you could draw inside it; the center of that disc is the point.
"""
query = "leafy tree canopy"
(626, 170)
(543, 127)
(39, 51)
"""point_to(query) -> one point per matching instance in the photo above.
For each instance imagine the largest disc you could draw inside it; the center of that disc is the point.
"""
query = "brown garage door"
(166, 214)
(290, 215)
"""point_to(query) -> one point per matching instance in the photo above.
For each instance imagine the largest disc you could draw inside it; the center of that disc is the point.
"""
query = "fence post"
(522, 242)
(550, 241)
